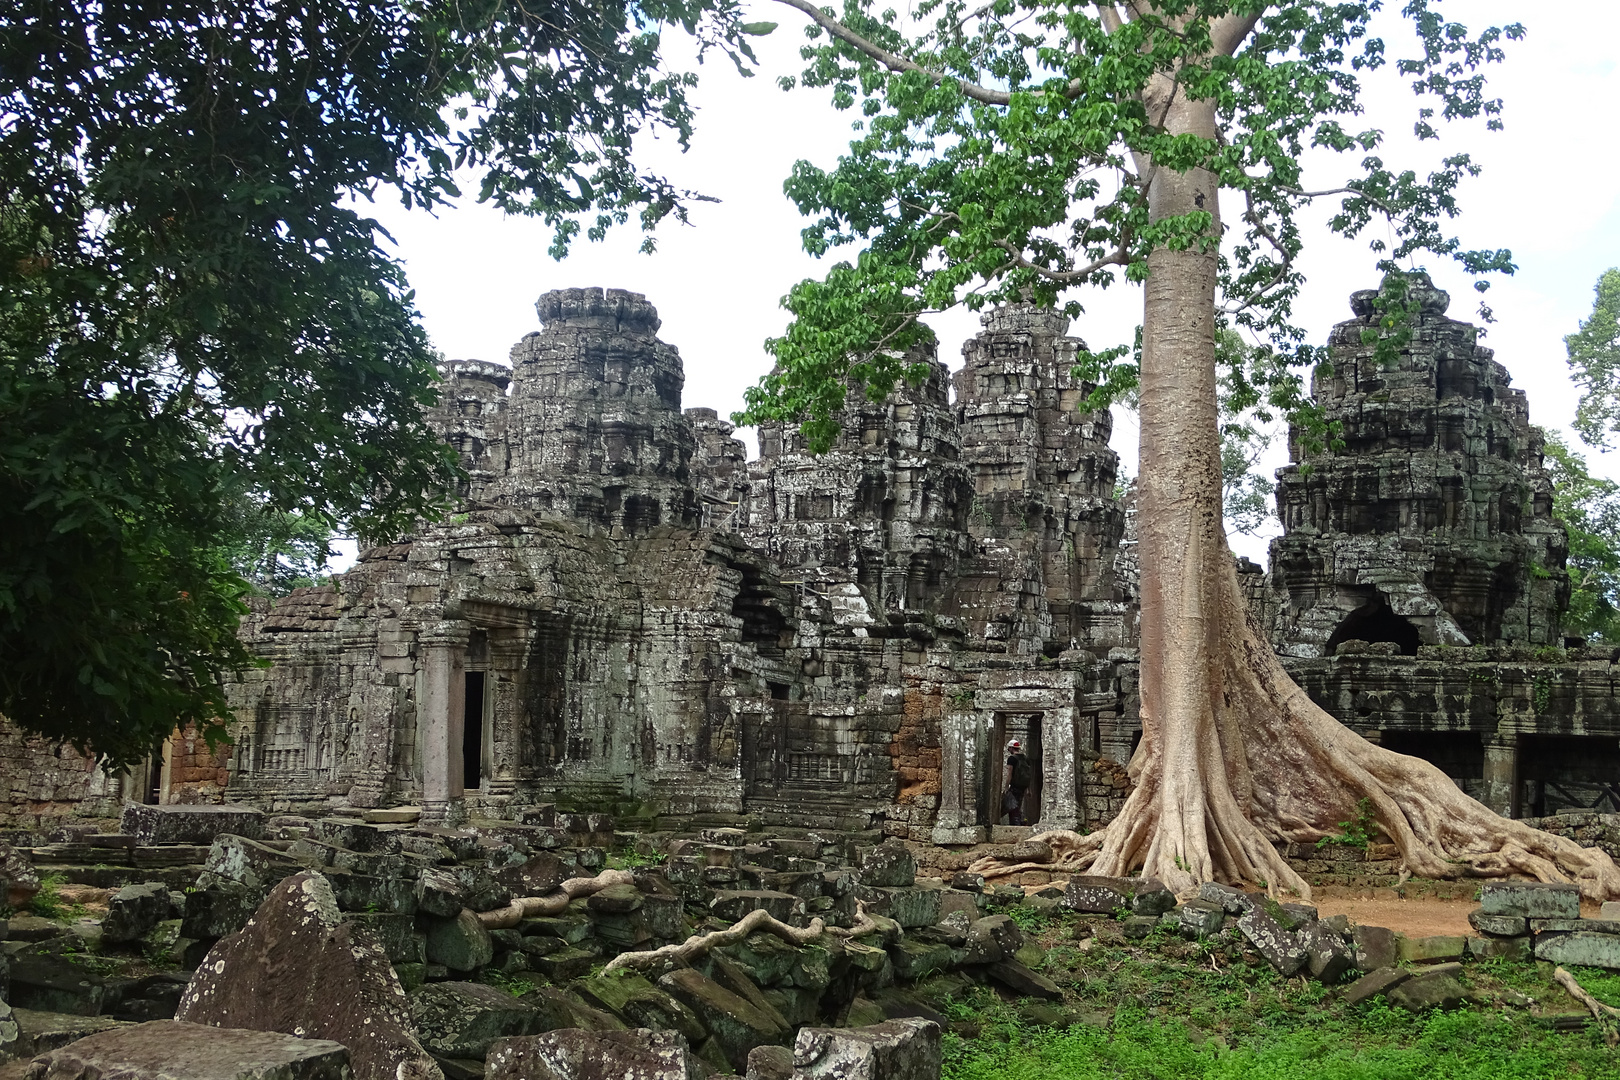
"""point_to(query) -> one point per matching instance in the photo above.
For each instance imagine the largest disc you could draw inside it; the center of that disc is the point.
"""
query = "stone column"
(1501, 769)
(960, 734)
(1060, 809)
(440, 721)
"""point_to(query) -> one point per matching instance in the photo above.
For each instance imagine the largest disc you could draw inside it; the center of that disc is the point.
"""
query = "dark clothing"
(1019, 777)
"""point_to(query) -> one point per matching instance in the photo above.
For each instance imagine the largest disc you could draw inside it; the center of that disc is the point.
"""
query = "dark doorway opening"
(1458, 754)
(153, 795)
(1569, 772)
(1374, 622)
(1026, 728)
(472, 733)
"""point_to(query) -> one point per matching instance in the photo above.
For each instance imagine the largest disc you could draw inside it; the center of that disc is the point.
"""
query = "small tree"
(1019, 150)
(1589, 507)
(1594, 358)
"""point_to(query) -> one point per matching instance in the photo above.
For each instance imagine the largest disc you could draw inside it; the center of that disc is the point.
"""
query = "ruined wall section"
(1433, 524)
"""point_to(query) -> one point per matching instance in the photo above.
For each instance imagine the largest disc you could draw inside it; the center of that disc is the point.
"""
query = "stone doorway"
(473, 743)
(1026, 728)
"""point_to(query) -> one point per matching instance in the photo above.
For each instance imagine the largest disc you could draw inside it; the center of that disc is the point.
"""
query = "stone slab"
(189, 823)
(171, 1050)
(1587, 949)
(904, 1049)
(1530, 899)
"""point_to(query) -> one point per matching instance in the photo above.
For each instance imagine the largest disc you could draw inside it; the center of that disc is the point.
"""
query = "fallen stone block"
(189, 823)
(1151, 898)
(170, 1050)
(888, 866)
(1233, 901)
(1569, 926)
(1530, 899)
(8, 1033)
(914, 959)
(1098, 895)
(1436, 988)
(1434, 948)
(769, 1063)
(1199, 918)
(463, 1019)
(564, 965)
(1375, 947)
(1491, 948)
(562, 1010)
(218, 906)
(733, 904)
(1327, 957)
(765, 959)
(906, 1049)
(248, 862)
(461, 943)
(1498, 925)
(396, 933)
(19, 881)
(641, 1005)
(1024, 982)
(736, 1025)
(1279, 947)
(910, 907)
(439, 892)
(54, 984)
(573, 1054)
(1375, 984)
(1584, 948)
(134, 910)
(300, 968)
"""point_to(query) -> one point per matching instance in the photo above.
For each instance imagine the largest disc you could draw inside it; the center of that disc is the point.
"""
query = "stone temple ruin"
(628, 615)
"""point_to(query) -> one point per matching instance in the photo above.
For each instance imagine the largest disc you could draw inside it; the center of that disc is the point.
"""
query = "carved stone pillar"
(1060, 808)
(441, 721)
(1501, 769)
(961, 772)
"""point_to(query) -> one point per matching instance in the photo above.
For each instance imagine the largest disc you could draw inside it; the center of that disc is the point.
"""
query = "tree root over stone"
(1215, 794)
(756, 921)
(530, 907)
(1604, 1014)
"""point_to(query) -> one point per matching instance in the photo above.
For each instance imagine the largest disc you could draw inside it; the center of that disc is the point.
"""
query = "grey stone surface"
(1327, 957)
(168, 1050)
(1280, 948)
(573, 1054)
(1200, 918)
(888, 866)
(1498, 925)
(1435, 988)
(460, 943)
(1375, 947)
(736, 1024)
(134, 910)
(189, 823)
(463, 1019)
(299, 968)
(1530, 899)
(907, 1049)
(1375, 984)
(1586, 948)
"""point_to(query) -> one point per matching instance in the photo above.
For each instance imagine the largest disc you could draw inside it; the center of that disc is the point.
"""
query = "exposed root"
(1603, 1014)
(530, 907)
(756, 921)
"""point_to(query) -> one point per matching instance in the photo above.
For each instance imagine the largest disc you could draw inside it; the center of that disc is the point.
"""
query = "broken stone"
(463, 1019)
(1489, 948)
(1530, 899)
(299, 968)
(190, 823)
(8, 1033)
(1436, 988)
(1498, 925)
(1435, 947)
(889, 866)
(769, 1063)
(735, 1023)
(1280, 948)
(914, 959)
(1152, 898)
(460, 943)
(1585, 948)
(615, 900)
(905, 1049)
(732, 905)
(641, 1004)
(1098, 895)
(1024, 982)
(1327, 957)
(1375, 984)
(560, 1010)
(1375, 946)
(169, 1050)
(134, 910)
(38, 1032)
(439, 892)
(910, 907)
(52, 983)
(594, 1055)
(1199, 918)
(217, 907)
(19, 881)
(396, 933)
(1233, 901)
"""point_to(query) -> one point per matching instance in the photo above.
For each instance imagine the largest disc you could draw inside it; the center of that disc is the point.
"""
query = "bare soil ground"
(1418, 917)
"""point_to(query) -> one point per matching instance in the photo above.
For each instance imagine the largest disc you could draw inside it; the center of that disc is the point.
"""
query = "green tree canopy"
(1594, 359)
(1589, 507)
(196, 315)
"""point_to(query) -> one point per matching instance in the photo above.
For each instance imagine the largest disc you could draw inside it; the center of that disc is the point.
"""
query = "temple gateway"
(627, 615)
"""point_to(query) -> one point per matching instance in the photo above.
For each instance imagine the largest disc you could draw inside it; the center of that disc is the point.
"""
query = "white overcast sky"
(1548, 192)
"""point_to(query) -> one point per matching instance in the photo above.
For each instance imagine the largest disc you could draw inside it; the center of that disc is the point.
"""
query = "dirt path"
(1414, 918)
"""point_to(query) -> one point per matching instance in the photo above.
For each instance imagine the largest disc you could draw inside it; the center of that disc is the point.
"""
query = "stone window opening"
(1374, 622)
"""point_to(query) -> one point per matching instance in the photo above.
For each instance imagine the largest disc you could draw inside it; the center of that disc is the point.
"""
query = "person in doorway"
(1020, 775)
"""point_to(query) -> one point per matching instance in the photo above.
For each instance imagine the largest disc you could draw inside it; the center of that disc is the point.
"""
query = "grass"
(1193, 1011)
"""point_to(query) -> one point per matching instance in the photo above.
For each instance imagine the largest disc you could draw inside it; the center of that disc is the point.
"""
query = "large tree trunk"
(1234, 756)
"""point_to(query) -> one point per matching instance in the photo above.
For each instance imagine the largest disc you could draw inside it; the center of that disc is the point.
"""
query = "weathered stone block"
(1279, 947)
(1375, 984)
(1233, 901)
(594, 1055)
(189, 824)
(1436, 988)
(906, 1049)
(1498, 925)
(1489, 948)
(1530, 899)
(910, 907)
(1435, 947)
(1375, 946)
(1199, 918)
(735, 1023)
(134, 910)
(1099, 895)
(1152, 898)
(439, 892)
(889, 866)
(914, 959)
(460, 943)
(1585, 948)
(1024, 982)
(463, 1019)
(732, 905)
(1327, 957)
(641, 1005)
(169, 1050)
(299, 968)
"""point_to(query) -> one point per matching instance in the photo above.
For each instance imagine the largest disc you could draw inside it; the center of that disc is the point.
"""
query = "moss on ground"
(1168, 1008)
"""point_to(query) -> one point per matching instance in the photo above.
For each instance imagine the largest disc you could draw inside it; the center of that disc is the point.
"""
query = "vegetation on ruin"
(203, 336)
(1024, 152)
(1169, 1007)
(1589, 507)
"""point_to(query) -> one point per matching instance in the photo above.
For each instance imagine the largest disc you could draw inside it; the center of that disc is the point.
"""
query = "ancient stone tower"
(1432, 524)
